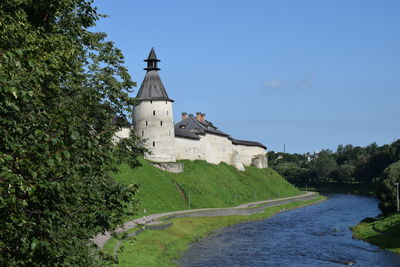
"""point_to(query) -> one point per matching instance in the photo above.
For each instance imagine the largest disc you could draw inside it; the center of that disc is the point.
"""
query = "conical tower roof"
(152, 55)
(152, 87)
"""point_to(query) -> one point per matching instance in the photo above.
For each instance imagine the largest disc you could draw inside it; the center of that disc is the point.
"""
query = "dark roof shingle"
(152, 88)
(191, 128)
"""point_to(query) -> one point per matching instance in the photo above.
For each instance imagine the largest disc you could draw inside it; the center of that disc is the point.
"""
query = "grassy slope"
(208, 185)
(389, 238)
(161, 248)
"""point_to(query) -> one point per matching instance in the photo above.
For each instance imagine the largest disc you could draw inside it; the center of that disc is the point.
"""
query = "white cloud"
(275, 84)
(306, 82)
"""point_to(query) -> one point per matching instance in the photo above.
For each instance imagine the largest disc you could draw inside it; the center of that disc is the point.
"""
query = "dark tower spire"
(152, 87)
(152, 61)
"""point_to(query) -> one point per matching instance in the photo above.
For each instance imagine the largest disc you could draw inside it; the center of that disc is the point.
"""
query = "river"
(317, 235)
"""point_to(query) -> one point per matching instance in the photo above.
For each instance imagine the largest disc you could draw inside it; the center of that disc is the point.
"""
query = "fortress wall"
(212, 148)
(247, 153)
(215, 149)
(219, 149)
(153, 121)
(190, 149)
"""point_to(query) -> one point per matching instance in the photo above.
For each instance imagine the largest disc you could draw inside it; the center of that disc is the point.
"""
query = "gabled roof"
(195, 126)
(152, 88)
(247, 143)
(191, 128)
(186, 133)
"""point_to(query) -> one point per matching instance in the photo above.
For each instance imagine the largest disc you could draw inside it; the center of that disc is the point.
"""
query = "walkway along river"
(317, 235)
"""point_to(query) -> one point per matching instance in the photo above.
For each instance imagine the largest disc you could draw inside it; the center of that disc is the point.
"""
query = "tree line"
(372, 164)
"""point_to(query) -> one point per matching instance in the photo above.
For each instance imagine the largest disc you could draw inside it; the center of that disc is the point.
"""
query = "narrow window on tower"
(154, 112)
(151, 101)
(147, 123)
(167, 112)
(142, 133)
(169, 133)
(166, 102)
(161, 123)
(154, 143)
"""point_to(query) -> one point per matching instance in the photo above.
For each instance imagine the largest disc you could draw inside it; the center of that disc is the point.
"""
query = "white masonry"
(153, 122)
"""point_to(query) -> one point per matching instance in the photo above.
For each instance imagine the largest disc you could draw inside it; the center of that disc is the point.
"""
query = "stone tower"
(153, 117)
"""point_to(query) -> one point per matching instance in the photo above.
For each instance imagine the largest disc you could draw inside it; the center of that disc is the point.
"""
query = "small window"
(142, 133)
(147, 123)
(166, 102)
(154, 112)
(169, 133)
(167, 112)
(154, 143)
(151, 101)
(161, 123)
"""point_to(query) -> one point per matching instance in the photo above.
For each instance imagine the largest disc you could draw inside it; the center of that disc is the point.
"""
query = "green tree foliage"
(344, 173)
(61, 86)
(324, 166)
(349, 164)
(352, 164)
(387, 188)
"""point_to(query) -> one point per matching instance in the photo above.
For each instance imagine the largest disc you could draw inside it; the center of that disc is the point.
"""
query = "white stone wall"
(212, 148)
(190, 149)
(123, 133)
(153, 121)
(219, 149)
(215, 149)
(247, 153)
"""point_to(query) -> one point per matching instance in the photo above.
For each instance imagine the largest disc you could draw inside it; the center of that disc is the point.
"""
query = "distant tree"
(275, 158)
(272, 157)
(344, 173)
(324, 166)
(372, 148)
(349, 164)
(61, 86)
(298, 175)
(387, 189)
(394, 150)
(373, 168)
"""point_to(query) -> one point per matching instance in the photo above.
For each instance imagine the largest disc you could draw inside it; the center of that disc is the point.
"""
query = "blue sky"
(309, 74)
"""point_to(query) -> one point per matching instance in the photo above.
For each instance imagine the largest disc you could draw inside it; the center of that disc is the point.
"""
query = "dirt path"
(101, 239)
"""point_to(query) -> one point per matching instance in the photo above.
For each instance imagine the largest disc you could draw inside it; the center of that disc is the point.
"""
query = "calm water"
(317, 235)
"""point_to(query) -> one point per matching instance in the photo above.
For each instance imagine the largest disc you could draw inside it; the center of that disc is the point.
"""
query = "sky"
(306, 74)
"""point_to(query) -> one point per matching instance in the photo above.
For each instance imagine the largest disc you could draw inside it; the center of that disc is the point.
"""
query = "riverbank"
(382, 232)
(162, 248)
(366, 189)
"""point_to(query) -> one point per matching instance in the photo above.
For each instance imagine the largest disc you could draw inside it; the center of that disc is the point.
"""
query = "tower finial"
(152, 61)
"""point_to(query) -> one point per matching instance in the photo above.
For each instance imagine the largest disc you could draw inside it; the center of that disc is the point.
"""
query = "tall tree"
(387, 188)
(324, 166)
(61, 85)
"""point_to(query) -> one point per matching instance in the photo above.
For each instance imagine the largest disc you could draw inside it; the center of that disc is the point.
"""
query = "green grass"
(162, 248)
(382, 232)
(202, 185)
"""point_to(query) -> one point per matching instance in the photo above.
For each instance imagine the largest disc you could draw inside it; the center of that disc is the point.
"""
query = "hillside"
(202, 185)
